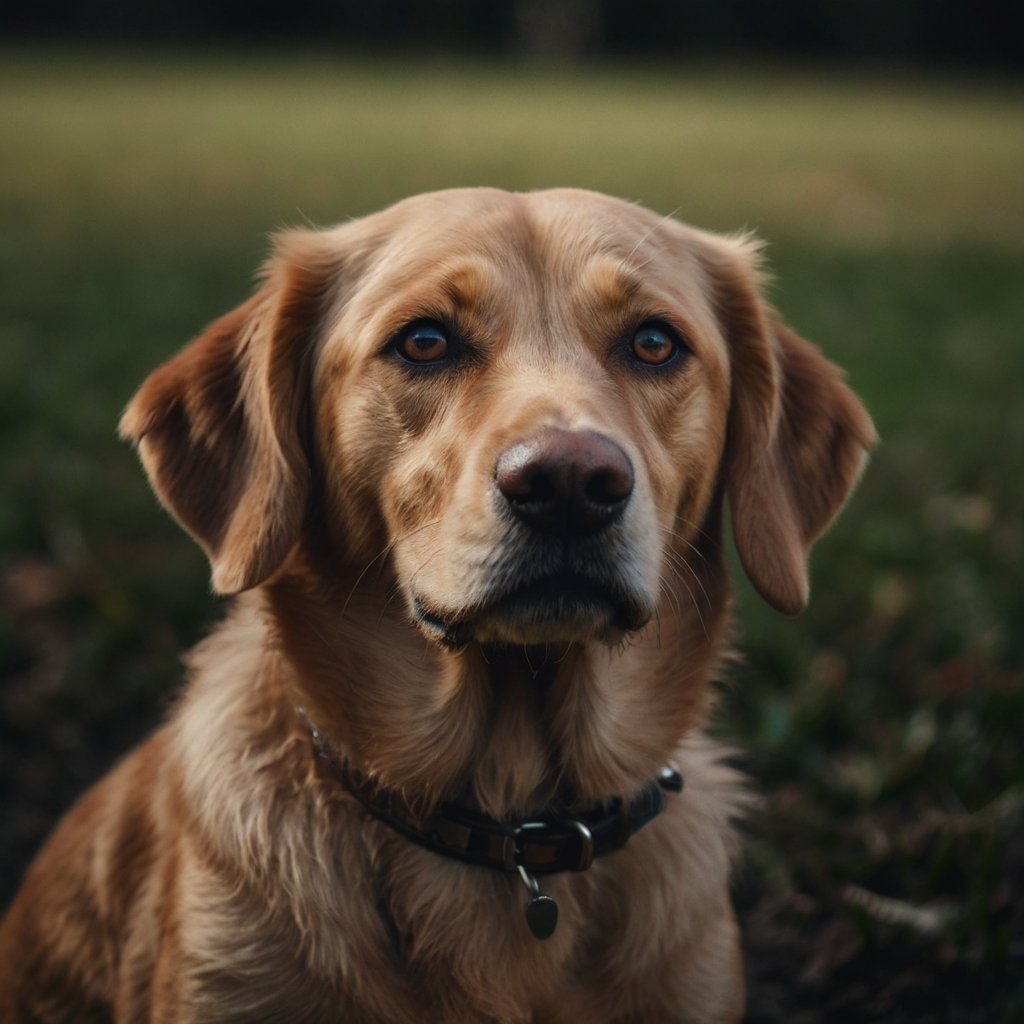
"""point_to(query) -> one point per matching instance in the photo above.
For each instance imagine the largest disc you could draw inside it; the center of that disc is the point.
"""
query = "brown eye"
(424, 343)
(654, 345)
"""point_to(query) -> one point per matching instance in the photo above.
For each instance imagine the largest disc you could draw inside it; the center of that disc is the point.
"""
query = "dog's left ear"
(218, 426)
(798, 436)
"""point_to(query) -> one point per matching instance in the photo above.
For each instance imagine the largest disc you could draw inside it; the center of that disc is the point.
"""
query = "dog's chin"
(545, 611)
(555, 622)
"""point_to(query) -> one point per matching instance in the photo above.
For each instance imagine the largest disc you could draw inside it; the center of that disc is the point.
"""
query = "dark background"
(984, 34)
(147, 151)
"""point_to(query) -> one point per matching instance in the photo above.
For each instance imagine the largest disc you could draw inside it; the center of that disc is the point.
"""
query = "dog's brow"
(443, 291)
(465, 286)
(611, 282)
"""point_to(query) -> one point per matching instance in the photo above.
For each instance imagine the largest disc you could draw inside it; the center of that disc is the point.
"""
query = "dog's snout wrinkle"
(565, 481)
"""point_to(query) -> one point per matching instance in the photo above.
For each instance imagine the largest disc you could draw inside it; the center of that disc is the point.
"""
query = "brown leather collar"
(541, 845)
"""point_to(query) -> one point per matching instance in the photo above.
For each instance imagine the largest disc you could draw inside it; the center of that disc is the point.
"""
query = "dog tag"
(542, 911)
(542, 916)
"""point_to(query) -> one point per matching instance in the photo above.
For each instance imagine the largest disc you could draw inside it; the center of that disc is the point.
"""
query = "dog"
(464, 462)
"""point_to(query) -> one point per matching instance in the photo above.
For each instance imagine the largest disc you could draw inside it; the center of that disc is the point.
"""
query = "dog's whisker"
(679, 562)
(657, 625)
(393, 593)
(693, 600)
(696, 607)
(383, 553)
(674, 535)
(670, 593)
(696, 531)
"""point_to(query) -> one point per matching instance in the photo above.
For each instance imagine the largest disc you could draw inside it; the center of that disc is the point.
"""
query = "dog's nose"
(565, 481)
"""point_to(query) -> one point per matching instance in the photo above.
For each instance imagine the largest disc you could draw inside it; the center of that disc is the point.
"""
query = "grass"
(885, 879)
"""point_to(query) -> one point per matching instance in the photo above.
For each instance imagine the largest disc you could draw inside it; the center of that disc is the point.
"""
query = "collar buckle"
(543, 847)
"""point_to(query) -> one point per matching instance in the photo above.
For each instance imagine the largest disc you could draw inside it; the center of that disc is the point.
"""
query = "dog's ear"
(798, 436)
(219, 426)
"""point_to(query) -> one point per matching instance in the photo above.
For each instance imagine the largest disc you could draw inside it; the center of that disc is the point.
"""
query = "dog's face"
(526, 401)
(526, 410)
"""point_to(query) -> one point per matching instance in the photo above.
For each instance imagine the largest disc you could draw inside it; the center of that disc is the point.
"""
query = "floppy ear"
(219, 426)
(798, 438)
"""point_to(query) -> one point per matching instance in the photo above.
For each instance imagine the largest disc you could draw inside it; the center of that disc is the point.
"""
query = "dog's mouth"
(562, 606)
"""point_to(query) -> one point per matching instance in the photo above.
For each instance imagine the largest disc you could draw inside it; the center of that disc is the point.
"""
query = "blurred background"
(879, 149)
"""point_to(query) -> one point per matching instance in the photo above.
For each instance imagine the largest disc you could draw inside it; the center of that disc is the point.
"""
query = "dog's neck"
(506, 730)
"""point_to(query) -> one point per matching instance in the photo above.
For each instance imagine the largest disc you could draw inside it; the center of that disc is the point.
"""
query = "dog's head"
(525, 410)
(529, 401)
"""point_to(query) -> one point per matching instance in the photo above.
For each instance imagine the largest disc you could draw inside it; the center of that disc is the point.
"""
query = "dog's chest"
(425, 941)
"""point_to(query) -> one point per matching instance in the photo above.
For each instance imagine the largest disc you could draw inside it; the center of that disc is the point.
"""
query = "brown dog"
(465, 462)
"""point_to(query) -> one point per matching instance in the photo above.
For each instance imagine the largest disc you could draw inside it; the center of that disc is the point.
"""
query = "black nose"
(570, 482)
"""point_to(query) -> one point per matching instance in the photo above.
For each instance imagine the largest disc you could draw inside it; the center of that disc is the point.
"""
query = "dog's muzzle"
(566, 573)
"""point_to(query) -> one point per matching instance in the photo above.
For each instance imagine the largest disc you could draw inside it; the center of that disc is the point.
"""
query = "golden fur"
(348, 497)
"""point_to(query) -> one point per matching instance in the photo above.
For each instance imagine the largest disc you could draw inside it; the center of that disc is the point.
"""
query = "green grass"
(883, 725)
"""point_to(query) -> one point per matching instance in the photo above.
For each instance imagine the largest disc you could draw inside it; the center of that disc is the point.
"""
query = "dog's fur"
(351, 498)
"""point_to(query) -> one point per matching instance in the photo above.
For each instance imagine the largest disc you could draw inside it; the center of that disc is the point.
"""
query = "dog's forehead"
(558, 226)
(474, 246)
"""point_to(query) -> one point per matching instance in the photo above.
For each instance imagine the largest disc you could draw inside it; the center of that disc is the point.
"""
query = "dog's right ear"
(218, 426)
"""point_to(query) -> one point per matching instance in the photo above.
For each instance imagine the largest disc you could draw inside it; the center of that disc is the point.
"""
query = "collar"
(549, 843)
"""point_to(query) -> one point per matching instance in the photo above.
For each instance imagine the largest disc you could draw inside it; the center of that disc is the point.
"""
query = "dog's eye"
(654, 345)
(423, 343)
